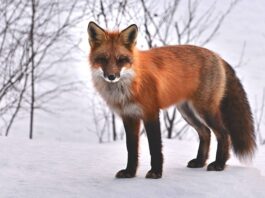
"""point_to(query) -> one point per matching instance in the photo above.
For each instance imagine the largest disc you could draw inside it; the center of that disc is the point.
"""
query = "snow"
(65, 160)
(69, 169)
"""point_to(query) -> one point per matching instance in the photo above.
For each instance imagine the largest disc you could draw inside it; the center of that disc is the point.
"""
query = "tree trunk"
(114, 127)
(169, 122)
(33, 6)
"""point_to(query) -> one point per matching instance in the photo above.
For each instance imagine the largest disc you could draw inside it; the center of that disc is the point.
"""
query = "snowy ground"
(33, 169)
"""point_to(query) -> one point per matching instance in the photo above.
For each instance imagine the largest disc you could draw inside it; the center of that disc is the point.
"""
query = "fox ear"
(128, 36)
(96, 34)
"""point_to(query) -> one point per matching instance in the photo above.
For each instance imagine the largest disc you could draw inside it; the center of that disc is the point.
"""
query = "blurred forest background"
(45, 85)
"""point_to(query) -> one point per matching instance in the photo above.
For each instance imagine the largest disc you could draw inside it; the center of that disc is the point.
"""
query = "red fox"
(137, 84)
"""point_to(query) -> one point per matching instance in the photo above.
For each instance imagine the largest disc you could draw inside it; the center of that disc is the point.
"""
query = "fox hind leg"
(204, 135)
(212, 117)
(214, 121)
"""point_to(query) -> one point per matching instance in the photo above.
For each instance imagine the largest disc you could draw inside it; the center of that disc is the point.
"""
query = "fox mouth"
(125, 75)
(112, 81)
(99, 73)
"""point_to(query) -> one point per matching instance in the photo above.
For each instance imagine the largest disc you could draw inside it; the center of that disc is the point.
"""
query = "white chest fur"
(118, 95)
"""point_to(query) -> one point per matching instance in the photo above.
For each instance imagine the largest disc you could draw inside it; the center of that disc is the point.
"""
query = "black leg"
(132, 127)
(203, 132)
(222, 154)
(203, 150)
(153, 132)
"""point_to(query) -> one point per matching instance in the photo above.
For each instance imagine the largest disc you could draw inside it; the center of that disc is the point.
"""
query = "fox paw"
(215, 166)
(195, 163)
(124, 174)
(153, 174)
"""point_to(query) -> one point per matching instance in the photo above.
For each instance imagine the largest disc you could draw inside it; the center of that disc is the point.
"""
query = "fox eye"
(101, 60)
(123, 60)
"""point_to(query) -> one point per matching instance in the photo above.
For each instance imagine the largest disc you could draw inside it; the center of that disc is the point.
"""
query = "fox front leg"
(132, 127)
(152, 127)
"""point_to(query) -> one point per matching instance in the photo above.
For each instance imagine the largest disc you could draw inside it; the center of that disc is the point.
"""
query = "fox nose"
(111, 77)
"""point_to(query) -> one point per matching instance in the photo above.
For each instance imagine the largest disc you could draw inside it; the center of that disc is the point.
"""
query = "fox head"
(111, 52)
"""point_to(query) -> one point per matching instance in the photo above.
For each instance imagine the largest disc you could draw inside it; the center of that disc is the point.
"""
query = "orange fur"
(166, 76)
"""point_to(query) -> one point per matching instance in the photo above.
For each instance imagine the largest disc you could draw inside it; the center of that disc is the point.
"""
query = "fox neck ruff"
(118, 95)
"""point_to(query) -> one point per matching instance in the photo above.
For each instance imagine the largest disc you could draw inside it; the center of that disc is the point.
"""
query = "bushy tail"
(237, 116)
